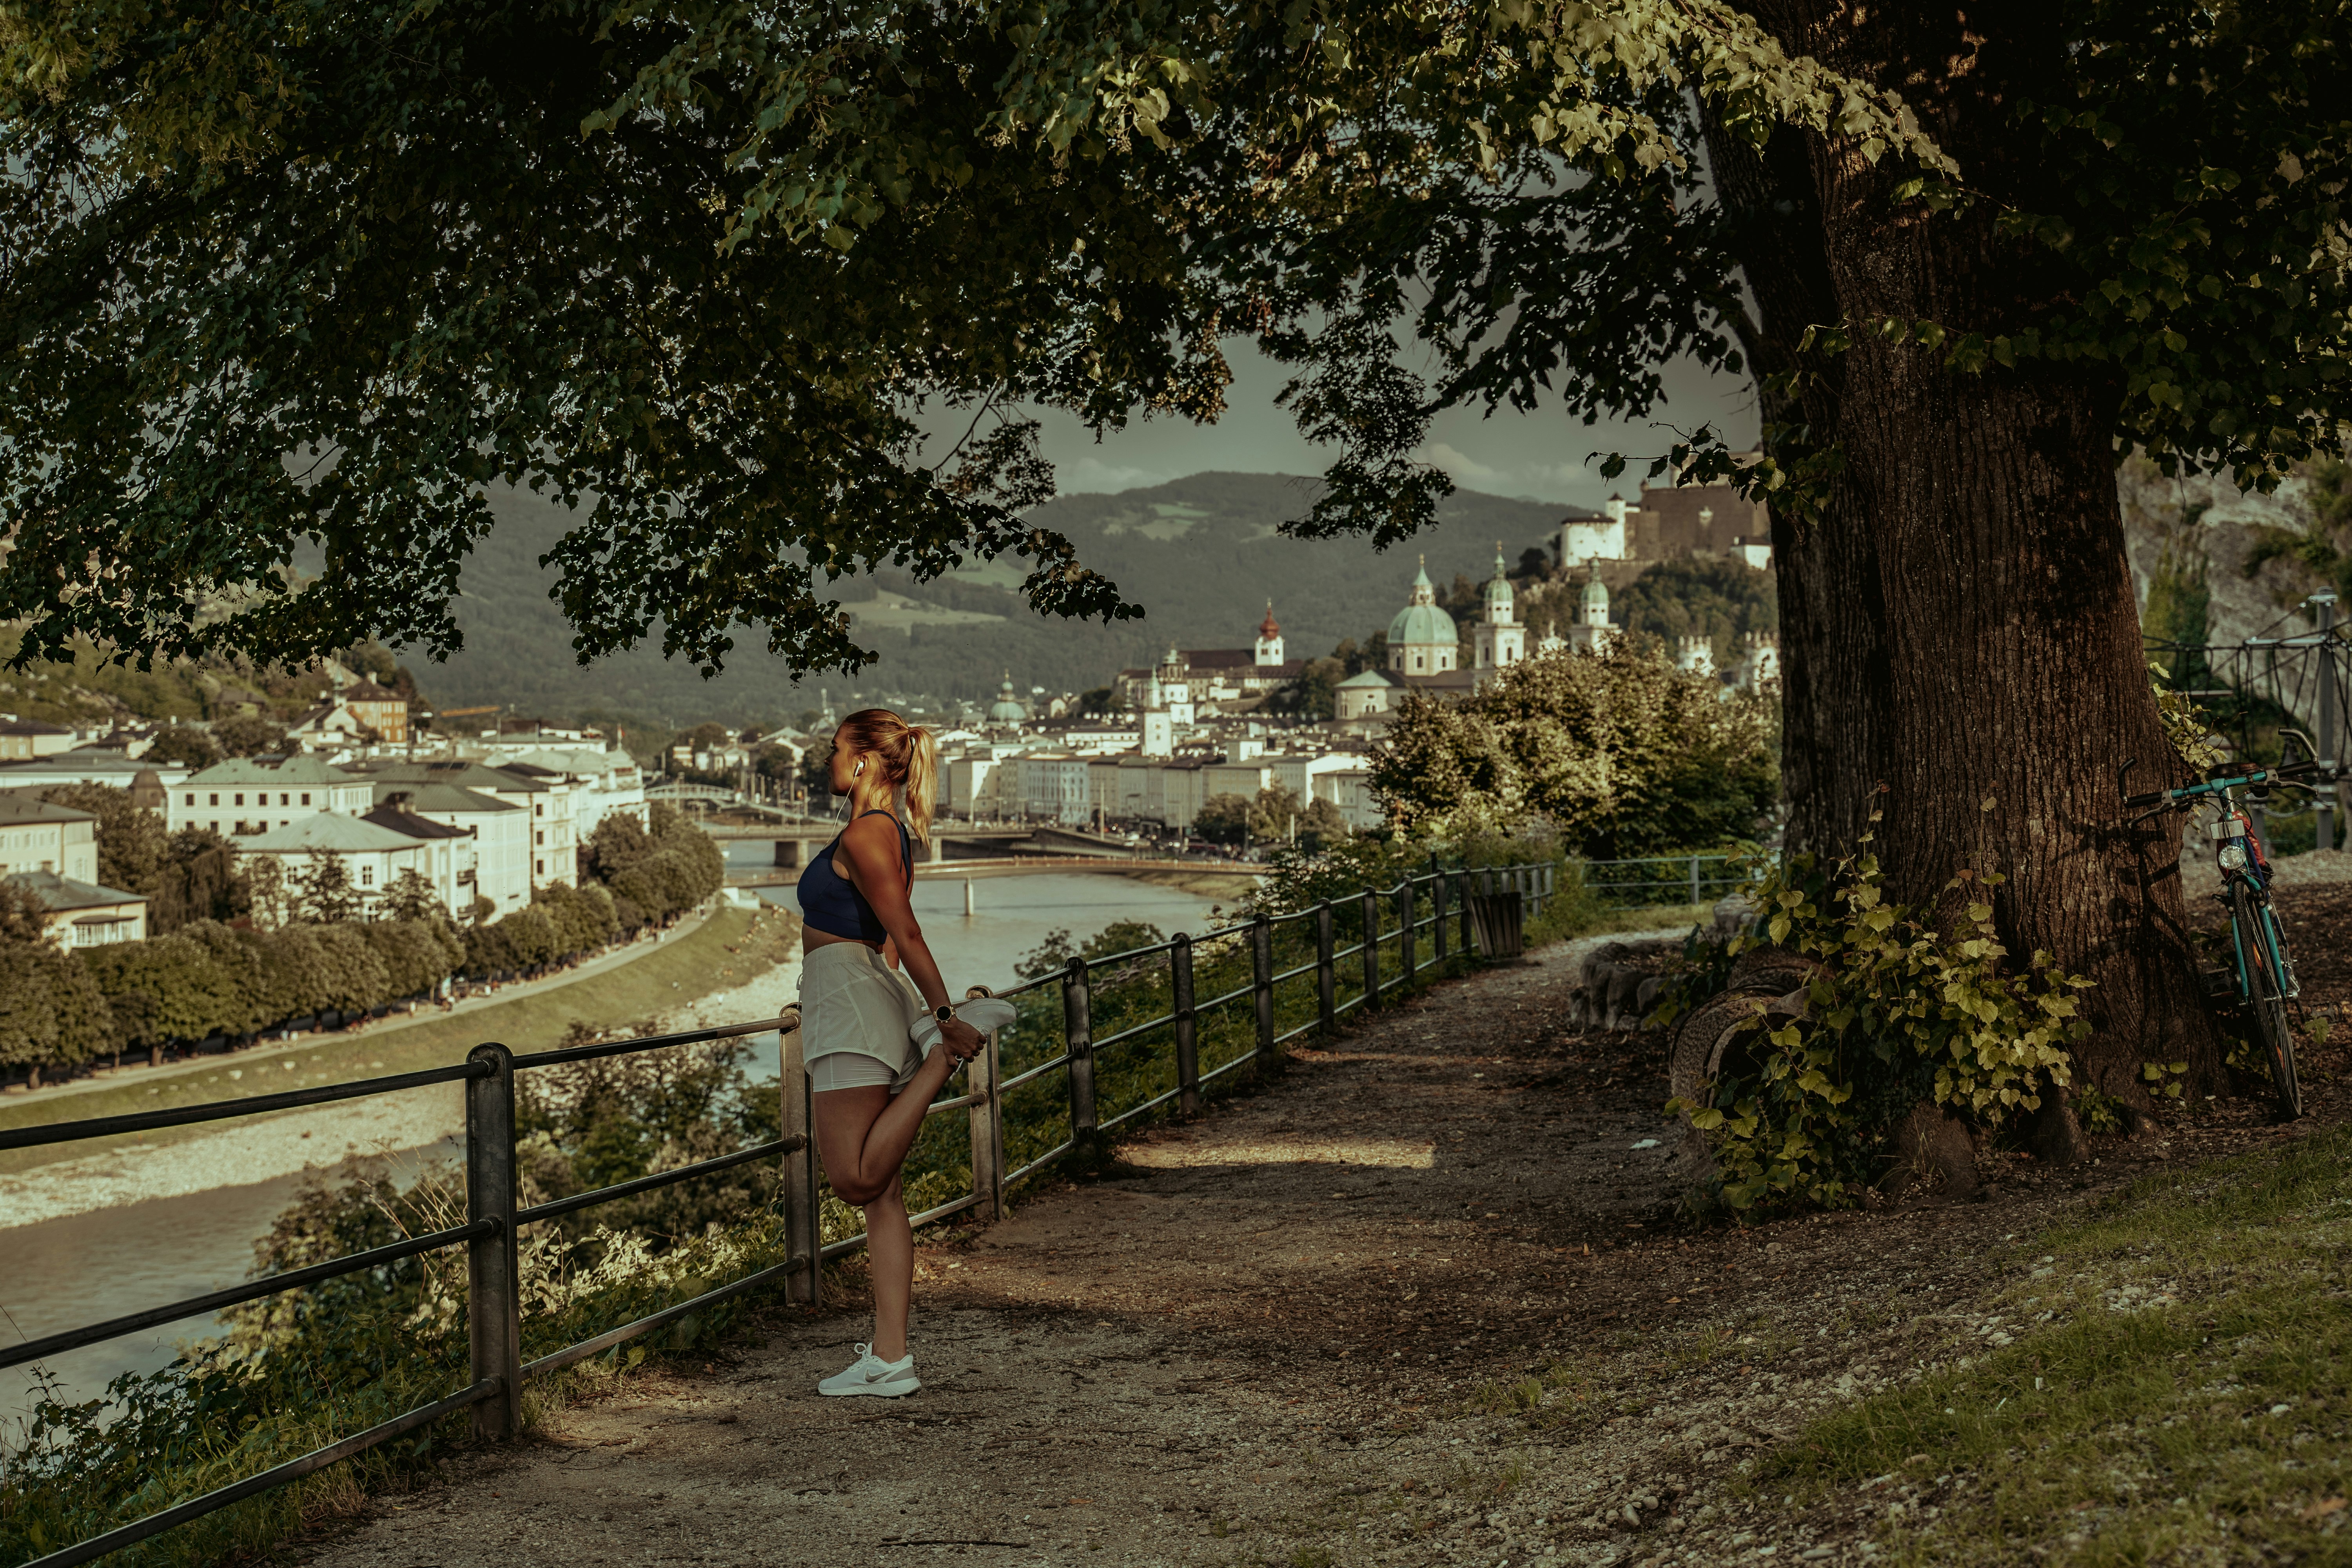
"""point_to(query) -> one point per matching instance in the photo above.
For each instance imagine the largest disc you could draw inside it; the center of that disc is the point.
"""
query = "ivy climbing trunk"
(1959, 622)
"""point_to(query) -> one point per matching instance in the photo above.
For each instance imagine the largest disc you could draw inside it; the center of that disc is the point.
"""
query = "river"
(86, 1268)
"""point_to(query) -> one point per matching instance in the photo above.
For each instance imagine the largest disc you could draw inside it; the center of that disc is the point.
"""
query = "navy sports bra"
(828, 902)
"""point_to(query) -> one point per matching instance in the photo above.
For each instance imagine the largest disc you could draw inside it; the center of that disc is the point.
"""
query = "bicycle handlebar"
(2308, 771)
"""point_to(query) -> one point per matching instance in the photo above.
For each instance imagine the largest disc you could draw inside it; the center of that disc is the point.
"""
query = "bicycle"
(2264, 973)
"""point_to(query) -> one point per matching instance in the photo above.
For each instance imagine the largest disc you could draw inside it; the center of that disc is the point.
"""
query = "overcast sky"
(1541, 455)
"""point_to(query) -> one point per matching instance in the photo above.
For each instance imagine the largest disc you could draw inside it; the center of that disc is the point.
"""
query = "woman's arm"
(877, 872)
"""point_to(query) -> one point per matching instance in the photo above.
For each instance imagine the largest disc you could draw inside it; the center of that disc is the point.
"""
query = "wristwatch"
(943, 1011)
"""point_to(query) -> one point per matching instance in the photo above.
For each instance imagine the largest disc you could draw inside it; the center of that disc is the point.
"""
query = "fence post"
(799, 1194)
(1327, 982)
(1694, 870)
(1407, 960)
(1436, 914)
(493, 1281)
(1462, 904)
(1371, 903)
(1188, 1028)
(1077, 1029)
(985, 1119)
(1262, 985)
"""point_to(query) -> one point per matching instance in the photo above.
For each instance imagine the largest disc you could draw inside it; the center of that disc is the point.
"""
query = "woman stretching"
(860, 1019)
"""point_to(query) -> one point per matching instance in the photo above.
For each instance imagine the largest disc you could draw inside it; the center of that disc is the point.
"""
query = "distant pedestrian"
(867, 1034)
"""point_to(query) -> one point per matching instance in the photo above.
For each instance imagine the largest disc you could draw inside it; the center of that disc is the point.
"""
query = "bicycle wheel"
(2268, 1002)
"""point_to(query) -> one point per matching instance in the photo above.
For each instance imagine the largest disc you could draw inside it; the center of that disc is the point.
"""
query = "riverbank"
(132, 1071)
(731, 958)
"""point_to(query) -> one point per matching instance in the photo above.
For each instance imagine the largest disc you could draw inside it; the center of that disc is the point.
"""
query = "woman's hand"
(961, 1040)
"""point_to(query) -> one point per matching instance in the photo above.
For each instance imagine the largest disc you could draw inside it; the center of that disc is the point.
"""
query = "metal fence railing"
(1061, 1067)
(1661, 880)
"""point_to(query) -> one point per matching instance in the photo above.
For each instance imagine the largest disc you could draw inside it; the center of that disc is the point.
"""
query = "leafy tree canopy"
(712, 319)
(1623, 753)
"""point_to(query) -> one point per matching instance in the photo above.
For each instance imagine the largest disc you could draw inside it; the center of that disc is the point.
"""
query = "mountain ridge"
(1202, 554)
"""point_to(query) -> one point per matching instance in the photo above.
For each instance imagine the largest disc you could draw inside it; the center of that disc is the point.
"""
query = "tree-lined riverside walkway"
(1418, 1302)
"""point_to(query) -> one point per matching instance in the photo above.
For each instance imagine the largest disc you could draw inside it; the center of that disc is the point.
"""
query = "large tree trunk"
(1959, 622)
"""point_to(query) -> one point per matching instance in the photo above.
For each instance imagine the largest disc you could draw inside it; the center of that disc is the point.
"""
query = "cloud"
(1092, 476)
(1459, 466)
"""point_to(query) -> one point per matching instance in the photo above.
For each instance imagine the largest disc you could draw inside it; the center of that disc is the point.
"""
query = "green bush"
(1901, 1007)
(1624, 755)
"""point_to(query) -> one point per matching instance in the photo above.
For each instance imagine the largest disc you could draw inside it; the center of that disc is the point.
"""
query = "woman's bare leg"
(856, 1130)
(864, 1134)
(890, 1258)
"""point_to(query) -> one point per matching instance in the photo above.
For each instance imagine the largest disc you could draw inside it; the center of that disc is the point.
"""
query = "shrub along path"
(1421, 1302)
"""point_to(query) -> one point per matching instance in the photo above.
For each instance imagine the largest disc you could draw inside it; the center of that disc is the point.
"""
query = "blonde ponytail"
(922, 780)
(910, 760)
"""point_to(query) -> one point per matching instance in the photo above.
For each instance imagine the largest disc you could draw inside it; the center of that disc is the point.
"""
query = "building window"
(212, 800)
(192, 799)
(540, 838)
(367, 876)
(239, 800)
(539, 808)
(306, 797)
(214, 826)
(539, 867)
(283, 799)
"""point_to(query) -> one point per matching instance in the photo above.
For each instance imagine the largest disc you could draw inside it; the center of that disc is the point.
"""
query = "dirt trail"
(1292, 1336)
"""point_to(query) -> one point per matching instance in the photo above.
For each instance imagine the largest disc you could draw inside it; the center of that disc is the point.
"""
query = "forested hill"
(1201, 554)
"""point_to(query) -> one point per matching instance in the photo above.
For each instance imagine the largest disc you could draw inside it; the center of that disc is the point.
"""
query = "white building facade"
(249, 795)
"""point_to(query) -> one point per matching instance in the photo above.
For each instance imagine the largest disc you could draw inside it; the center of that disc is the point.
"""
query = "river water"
(90, 1267)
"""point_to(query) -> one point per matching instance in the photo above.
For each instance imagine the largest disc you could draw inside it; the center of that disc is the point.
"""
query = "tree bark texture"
(1958, 622)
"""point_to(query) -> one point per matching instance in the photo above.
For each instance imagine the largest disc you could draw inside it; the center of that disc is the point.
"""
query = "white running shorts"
(856, 1014)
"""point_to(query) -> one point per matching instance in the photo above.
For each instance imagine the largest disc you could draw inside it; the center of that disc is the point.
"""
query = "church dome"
(1007, 708)
(1421, 621)
(1423, 624)
(1596, 595)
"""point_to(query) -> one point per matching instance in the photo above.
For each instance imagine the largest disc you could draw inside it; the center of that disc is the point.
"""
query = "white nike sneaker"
(871, 1374)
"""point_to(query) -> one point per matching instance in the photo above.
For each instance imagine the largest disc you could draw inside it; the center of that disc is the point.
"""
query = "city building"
(1350, 789)
(1759, 664)
(446, 859)
(1497, 641)
(81, 913)
(37, 836)
(1422, 638)
(89, 764)
(495, 862)
(22, 740)
(247, 795)
(372, 854)
(1053, 788)
(1207, 675)
(1591, 632)
(329, 726)
(551, 797)
(1668, 520)
(1008, 711)
(383, 711)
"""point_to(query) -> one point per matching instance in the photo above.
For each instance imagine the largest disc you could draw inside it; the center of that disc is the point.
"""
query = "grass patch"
(674, 972)
(2175, 1387)
(1566, 918)
(1202, 881)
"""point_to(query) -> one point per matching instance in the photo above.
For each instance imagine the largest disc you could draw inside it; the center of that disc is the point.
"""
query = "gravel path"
(1423, 1300)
